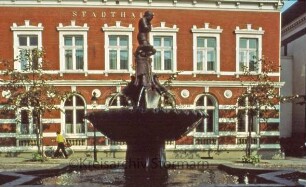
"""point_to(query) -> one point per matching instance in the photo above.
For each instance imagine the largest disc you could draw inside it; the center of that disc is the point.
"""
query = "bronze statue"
(144, 26)
(144, 51)
(144, 90)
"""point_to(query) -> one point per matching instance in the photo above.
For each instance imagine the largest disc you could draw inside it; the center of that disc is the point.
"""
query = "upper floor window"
(27, 41)
(248, 54)
(208, 104)
(248, 49)
(164, 41)
(206, 49)
(74, 108)
(118, 48)
(73, 47)
(74, 52)
(118, 52)
(206, 54)
(163, 58)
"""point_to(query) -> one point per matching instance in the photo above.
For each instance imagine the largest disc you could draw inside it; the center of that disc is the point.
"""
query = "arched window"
(118, 101)
(208, 104)
(28, 117)
(246, 116)
(74, 115)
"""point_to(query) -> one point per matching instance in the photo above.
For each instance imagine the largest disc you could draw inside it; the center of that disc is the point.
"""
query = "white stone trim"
(25, 29)
(202, 84)
(227, 120)
(7, 135)
(269, 133)
(162, 28)
(248, 32)
(270, 120)
(242, 5)
(227, 133)
(72, 30)
(118, 30)
(222, 73)
(7, 121)
(205, 135)
(270, 146)
(48, 120)
(206, 31)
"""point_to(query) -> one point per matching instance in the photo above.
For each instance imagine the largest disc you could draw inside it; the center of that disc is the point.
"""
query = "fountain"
(145, 125)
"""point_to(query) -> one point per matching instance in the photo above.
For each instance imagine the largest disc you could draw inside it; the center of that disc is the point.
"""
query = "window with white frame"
(28, 118)
(248, 54)
(208, 104)
(74, 108)
(206, 54)
(246, 119)
(27, 40)
(118, 101)
(248, 49)
(118, 52)
(163, 58)
(28, 121)
(206, 49)
(118, 48)
(164, 40)
(74, 52)
(73, 47)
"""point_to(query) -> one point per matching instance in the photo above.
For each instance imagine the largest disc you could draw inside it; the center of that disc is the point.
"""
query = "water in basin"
(176, 178)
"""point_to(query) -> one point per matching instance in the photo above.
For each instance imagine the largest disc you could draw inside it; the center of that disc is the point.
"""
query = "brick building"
(90, 45)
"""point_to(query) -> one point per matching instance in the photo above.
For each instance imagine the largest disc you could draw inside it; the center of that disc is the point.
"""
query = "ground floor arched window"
(74, 111)
(209, 105)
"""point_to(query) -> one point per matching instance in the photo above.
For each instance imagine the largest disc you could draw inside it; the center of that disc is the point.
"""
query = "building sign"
(105, 14)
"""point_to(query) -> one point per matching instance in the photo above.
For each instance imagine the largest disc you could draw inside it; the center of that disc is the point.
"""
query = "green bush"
(253, 159)
(37, 157)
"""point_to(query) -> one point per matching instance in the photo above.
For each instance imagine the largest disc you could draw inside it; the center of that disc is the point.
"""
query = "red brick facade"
(216, 84)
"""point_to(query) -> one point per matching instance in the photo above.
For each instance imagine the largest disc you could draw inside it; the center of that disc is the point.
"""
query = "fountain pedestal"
(146, 160)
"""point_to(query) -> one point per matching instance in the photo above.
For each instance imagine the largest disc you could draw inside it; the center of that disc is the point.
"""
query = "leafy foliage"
(253, 159)
(29, 88)
(262, 92)
(260, 96)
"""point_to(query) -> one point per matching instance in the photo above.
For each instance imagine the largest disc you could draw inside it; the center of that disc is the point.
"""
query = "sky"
(287, 4)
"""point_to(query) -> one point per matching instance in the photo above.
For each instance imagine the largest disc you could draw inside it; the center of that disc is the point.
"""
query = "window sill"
(195, 73)
(243, 73)
(73, 71)
(246, 134)
(163, 72)
(205, 135)
(118, 72)
(26, 136)
(71, 136)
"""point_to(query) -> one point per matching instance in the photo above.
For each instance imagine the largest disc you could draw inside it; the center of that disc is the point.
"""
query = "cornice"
(254, 5)
(174, 83)
(293, 27)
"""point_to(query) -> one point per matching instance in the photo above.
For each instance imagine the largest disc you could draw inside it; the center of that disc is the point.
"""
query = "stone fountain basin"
(149, 124)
